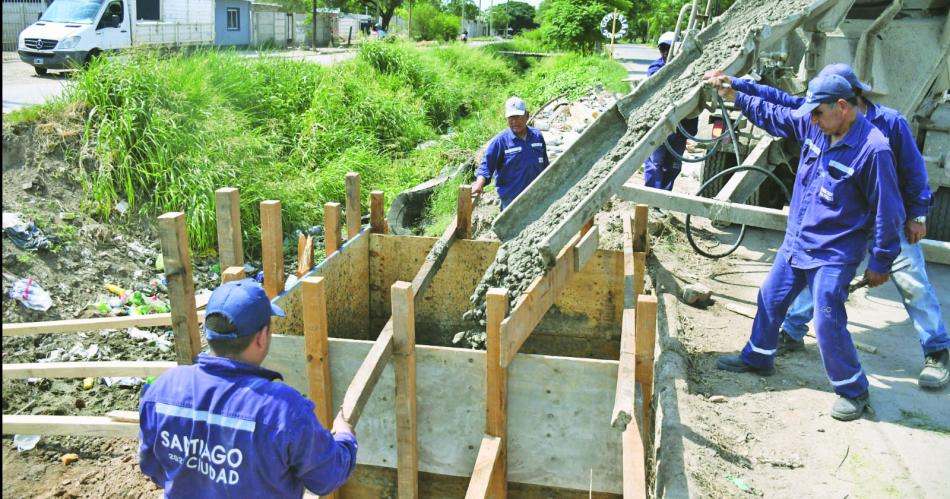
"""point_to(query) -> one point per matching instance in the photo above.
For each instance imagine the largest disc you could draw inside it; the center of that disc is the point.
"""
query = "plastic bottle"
(116, 290)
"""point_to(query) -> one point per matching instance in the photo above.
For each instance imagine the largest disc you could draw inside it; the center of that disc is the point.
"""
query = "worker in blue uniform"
(845, 193)
(224, 428)
(515, 157)
(910, 273)
(662, 167)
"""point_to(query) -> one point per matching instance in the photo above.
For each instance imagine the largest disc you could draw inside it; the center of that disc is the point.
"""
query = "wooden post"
(181, 286)
(404, 360)
(639, 272)
(464, 213)
(304, 254)
(227, 208)
(496, 385)
(272, 248)
(588, 225)
(377, 212)
(316, 335)
(232, 274)
(646, 345)
(640, 240)
(331, 228)
(353, 213)
(634, 463)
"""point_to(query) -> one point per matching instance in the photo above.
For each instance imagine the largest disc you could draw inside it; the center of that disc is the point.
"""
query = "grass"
(169, 130)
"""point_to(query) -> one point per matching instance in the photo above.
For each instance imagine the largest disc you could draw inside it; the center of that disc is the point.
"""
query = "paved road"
(23, 87)
(636, 58)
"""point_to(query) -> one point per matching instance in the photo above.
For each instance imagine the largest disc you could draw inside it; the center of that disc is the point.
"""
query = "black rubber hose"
(727, 171)
(684, 159)
(679, 127)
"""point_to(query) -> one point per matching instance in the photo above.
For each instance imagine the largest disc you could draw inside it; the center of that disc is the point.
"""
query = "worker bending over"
(845, 193)
(909, 270)
(515, 157)
(224, 428)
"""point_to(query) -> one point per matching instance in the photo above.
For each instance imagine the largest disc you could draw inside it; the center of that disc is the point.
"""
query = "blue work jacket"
(514, 162)
(843, 195)
(911, 169)
(222, 428)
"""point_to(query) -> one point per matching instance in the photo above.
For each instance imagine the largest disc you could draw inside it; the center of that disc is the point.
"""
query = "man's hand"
(875, 279)
(915, 231)
(478, 186)
(721, 82)
(341, 426)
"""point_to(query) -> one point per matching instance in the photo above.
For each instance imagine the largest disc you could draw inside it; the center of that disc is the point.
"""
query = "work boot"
(935, 374)
(787, 344)
(734, 363)
(848, 409)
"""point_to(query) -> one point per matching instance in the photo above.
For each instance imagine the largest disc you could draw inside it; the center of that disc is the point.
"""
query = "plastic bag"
(31, 295)
(25, 442)
(29, 236)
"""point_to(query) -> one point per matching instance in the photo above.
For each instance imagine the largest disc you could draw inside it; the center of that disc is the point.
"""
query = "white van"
(71, 32)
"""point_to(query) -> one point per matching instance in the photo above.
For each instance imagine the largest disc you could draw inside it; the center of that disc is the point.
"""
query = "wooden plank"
(301, 258)
(181, 286)
(85, 369)
(639, 272)
(645, 339)
(272, 248)
(486, 462)
(316, 335)
(404, 364)
(227, 209)
(353, 210)
(434, 260)
(629, 265)
(331, 226)
(625, 396)
(634, 463)
(366, 377)
(585, 249)
(124, 416)
(588, 225)
(536, 301)
(463, 215)
(86, 426)
(641, 214)
(742, 185)
(377, 212)
(232, 274)
(78, 325)
(496, 387)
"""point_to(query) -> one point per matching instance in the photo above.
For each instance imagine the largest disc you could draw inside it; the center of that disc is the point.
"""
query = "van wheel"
(90, 56)
(40, 71)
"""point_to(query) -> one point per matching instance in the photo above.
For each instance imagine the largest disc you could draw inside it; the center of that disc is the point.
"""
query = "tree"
(575, 24)
(385, 8)
(431, 23)
(455, 7)
(518, 16)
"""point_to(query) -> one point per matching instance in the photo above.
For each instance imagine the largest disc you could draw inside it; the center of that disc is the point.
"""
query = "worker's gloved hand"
(714, 73)
(875, 279)
(915, 231)
(341, 426)
(479, 186)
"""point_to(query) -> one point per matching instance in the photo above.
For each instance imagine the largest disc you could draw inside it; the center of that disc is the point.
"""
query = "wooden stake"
(232, 274)
(586, 248)
(316, 336)
(304, 254)
(464, 213)
(624, 412)
(404, 360)
(331, 228)
(272, 248)
(377, 212)
(227, 208)
(639, 272)
(181, 286)
(496, 387)
(634, 463)
(641, 242)
(645, 348)
(485, 464)
(588, 225)
(353, 210)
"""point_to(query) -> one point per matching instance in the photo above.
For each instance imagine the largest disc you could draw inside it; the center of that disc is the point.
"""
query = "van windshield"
(72, 11)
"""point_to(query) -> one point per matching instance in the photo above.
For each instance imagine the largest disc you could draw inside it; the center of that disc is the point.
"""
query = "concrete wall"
(225, 37)
(183, 22)
(16, 17)
(270, 25)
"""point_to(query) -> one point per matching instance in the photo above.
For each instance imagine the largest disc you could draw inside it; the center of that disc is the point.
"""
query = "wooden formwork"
(335, 294)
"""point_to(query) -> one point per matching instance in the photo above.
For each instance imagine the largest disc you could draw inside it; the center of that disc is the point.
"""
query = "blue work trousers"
(829, 285)
(918, 295)
(661, 168)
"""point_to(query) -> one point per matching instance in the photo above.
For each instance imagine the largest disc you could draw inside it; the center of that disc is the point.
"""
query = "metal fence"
(16, 16)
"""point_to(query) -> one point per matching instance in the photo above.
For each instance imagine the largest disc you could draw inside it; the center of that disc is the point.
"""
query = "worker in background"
(224, 428)
(845, 194)
(515, 157)
(663, 166)
(909, 270)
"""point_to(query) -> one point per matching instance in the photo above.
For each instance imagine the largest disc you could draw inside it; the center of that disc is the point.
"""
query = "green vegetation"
(168, 130)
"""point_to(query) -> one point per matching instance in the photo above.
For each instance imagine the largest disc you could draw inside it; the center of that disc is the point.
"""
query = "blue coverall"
(661, 168)
(514, 162)
(844, 194)
(918, 295)
(222, 428)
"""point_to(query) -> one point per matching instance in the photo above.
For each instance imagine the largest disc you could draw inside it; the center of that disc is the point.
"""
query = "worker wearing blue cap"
(222, 428)
(910, 273)
(663, 166)
(845, 193)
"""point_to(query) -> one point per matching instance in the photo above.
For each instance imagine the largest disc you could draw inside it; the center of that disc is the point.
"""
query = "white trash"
(31, 295)
(25, 442)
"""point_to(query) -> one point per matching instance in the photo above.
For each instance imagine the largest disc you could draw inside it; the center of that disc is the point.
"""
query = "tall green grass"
(169, 130)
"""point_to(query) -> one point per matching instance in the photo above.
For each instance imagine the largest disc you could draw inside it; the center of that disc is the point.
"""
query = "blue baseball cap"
(824, 88)
(245, 304)
(845, 71)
